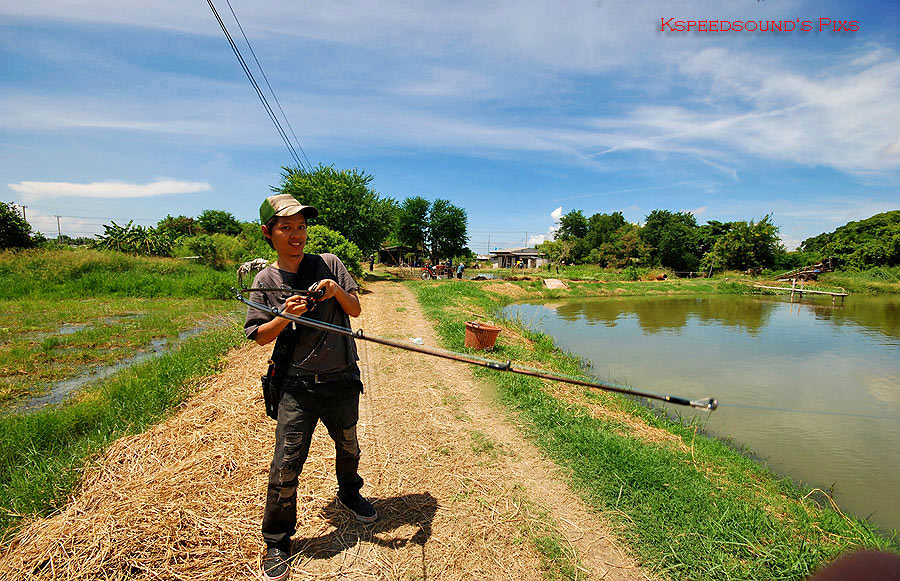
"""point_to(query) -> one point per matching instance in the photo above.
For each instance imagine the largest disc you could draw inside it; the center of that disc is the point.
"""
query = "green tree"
(15, 232)
(321, 239)
(672, 237)
(412, 227)
(219, 222)
(177, 226)
(746, 245)
(346, 203)
(874, 241)
(572, 226)
(447, 226)
(552, 249)
(624, 248)
(709, 234)
(603, 228)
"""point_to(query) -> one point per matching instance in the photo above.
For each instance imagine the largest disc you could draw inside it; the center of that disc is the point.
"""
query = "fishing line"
(811, 412)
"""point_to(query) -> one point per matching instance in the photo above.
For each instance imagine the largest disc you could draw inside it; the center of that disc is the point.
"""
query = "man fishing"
(321, 380)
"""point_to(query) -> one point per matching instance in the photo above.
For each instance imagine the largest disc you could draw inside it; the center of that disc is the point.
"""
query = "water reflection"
(812, 388)
(670, 315)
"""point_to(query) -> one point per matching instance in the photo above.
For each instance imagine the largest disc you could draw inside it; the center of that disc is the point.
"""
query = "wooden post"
(793, 284)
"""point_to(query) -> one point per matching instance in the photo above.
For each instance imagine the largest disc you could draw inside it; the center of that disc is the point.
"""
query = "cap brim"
(308, 211)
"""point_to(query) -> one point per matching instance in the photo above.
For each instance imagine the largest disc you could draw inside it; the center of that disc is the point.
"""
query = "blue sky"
(515, 111)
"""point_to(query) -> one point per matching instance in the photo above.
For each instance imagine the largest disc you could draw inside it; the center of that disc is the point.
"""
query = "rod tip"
(709, 403)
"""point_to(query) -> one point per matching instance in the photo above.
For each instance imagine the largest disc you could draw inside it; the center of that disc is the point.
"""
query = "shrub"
(219, 222)
(321, 239)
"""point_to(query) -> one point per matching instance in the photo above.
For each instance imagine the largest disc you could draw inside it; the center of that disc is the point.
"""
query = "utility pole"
(489, 245)
(58, 229)
(526, 238)
(23, 213)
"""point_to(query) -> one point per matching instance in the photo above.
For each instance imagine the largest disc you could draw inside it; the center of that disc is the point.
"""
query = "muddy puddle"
(60, 390)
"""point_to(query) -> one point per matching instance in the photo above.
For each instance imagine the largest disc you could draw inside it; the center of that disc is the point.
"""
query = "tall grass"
(83, 272)
(41, 454)
(881, 280)
(697, 511)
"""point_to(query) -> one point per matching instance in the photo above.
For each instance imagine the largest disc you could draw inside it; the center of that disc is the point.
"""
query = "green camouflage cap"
(284, 205)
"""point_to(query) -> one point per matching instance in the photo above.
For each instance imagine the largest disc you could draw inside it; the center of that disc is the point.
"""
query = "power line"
(259, 93)
(266, 79)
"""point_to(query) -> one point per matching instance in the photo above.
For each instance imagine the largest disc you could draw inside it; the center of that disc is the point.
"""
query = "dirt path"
(458, 489)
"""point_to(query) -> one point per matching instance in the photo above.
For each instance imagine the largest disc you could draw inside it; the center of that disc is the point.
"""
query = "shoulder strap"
(307, 272)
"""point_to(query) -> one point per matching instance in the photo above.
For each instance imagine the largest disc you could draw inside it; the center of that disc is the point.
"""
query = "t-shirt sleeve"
(342, 275)
(256, 317)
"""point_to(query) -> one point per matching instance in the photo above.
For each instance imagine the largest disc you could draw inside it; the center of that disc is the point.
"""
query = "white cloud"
(448, 82)
(698, 211)
(537, 239)
(894, 148)
(556, 214)
(840, 117)
(108, 190)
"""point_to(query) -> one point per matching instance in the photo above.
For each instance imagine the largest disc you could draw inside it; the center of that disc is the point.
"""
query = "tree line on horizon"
(355, 221)
(675, 240)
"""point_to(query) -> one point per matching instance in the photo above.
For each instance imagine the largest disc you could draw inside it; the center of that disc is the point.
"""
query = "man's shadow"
(410, 509)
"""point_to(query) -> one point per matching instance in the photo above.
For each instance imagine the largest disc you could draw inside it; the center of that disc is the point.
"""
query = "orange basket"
(481, 335)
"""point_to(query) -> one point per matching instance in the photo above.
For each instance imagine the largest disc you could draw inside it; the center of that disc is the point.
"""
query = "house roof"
(517, 251)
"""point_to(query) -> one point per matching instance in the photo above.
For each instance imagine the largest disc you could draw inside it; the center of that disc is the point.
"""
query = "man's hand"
(329, 287)
(348, 301)
(296, 305)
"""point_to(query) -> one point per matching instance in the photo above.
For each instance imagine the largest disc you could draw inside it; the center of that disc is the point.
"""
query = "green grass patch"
(82, 272)
(707, 513)
(47, 340)
(42, 454)
(883, 280)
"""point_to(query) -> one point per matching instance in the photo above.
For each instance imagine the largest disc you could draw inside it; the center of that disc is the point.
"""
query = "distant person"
(459, 270)
(321, 379)
(371, 263)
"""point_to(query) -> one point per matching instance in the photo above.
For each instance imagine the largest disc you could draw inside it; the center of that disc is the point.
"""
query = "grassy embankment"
(115, 304)
(690, 506)
(602, 281)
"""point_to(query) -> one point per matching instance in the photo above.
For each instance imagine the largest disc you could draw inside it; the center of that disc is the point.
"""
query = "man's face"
(288, 235)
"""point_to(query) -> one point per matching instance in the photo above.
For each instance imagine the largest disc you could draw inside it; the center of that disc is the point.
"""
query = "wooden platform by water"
(793, 289)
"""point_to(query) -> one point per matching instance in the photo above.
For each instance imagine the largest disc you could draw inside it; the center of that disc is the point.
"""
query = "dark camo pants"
(302, 405)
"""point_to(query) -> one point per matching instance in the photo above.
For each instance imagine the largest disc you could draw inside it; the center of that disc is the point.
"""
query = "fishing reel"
(313, 295)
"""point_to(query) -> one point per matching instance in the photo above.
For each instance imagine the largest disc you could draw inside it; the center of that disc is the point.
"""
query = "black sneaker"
(276, 565)
(361, 509)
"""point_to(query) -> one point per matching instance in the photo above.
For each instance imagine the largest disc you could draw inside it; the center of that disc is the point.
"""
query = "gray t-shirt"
(316, 351)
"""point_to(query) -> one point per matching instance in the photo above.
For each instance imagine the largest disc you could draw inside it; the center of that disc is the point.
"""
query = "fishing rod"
(708, 403)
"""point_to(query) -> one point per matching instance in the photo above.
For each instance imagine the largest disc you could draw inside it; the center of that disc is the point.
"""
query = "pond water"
(811, 388)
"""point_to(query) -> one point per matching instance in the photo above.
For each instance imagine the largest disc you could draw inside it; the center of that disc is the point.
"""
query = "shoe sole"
(359, 517)
(281, 577)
